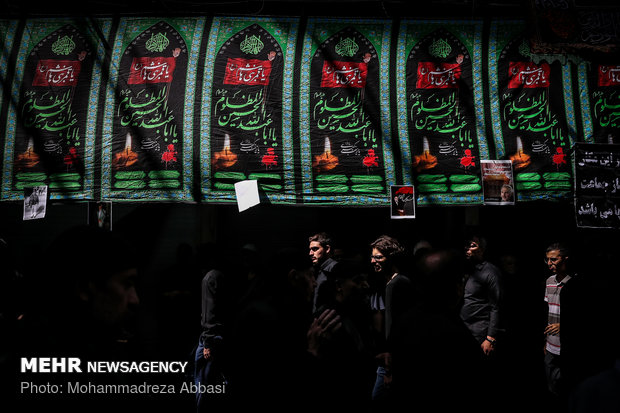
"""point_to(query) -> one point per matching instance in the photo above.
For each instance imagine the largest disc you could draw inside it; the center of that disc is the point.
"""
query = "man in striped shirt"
(557, 260)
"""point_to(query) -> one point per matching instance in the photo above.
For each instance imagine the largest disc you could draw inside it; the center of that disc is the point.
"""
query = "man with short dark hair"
(480, 311)
(481, 301)
(392, 297)
(556, 258)
(578, 343)
(320, 251)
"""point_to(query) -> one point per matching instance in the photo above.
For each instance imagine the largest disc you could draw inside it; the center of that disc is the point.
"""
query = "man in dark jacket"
(481, 311)
(320, 251)
(482, 297)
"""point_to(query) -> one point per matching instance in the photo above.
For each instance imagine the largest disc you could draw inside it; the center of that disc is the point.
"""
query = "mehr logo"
(73, 365)
(51, 365)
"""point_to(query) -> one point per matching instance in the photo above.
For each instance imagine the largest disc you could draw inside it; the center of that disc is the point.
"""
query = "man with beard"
(481, 306)
(320, 251)
(481, 301)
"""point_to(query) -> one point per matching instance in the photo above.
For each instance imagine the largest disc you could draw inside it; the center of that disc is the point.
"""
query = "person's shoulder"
(213, 274)
(489, 268)
(581, 282)
(329, 264)
(401, 278)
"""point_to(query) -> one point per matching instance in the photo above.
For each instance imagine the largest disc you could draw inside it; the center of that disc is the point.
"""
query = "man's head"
(320, 247)
(386, 254)
(556, 258)
(475, 248)
(506, 193)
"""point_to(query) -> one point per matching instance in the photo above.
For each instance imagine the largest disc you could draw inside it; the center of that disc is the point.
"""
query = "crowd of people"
(423, 327)
(324, 327)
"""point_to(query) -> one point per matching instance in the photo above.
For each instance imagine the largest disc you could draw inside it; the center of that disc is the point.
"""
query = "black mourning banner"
(50, 138)
(246, 111)
(597, 185)
(533, 119)
(345, 131)
(441, 116)
(324, 120)
(147, 149)
(603, 79)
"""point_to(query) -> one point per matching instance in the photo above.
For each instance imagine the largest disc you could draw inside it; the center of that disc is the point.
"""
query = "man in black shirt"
(482, 296)
(320, 251)
(480, 312)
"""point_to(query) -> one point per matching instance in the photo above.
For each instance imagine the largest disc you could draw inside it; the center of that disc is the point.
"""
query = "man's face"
(317, 252)
(378, 261)
(473, 250)
(556, 262)
(505, 194)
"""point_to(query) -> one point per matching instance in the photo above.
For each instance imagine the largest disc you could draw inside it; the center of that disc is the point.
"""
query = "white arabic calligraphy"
(531, 76)
(440, 77)
(248, 74)
(153, 71)
(346, 75)
(613, 73)
(58, 74)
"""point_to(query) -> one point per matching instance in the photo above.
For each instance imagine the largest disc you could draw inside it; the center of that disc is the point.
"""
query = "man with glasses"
(393, 295)
(580, 343)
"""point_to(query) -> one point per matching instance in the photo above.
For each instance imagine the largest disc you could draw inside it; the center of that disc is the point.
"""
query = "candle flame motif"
(426, 160)
(325, 161)
(125, 157)
(520, 159)
(28, 158)
(226, 157)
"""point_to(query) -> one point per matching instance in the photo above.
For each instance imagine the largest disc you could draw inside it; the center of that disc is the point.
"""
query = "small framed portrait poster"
(402, 201)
